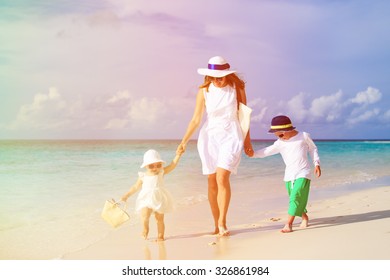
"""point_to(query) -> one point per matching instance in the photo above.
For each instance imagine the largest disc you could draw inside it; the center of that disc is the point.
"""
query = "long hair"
(232, 80)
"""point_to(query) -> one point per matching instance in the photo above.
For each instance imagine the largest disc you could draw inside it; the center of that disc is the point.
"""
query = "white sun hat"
(151, 156)
(217, 67)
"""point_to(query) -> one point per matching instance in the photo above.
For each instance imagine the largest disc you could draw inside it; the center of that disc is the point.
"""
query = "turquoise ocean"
(52, 192)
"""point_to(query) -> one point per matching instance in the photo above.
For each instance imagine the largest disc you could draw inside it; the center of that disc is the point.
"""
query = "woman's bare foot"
(159, 239)
(144, 235)
(223, 231)
(287, 228)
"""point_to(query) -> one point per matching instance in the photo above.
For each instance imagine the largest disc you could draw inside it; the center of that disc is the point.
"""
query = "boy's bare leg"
(160, 226)
(305, 221)
(288, 226)
(145, 216)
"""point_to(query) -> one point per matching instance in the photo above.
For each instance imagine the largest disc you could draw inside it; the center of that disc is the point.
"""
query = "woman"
(220, 140)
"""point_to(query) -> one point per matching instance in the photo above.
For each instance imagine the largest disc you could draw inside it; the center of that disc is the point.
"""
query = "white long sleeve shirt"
(294, 152)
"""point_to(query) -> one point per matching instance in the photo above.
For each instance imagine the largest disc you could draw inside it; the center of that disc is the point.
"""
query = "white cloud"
(119, 96)
(116, 124)
(120, 111)
(147, 110)
(327, 107)
(257, 105)
(364, 117)
(369, 96)
(125, 113)
(332, 108)
(386, 116)
(296, 107)
(47, 111)
(141, 113)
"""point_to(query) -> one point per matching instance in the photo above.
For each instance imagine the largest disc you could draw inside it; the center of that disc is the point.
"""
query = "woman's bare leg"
(223, 198)
(212, 195)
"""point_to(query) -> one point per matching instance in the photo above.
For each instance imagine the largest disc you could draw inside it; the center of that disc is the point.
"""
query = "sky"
(121, 69)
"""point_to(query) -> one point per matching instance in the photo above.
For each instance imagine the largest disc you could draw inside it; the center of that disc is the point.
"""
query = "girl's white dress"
(220, 140)
(153, 194)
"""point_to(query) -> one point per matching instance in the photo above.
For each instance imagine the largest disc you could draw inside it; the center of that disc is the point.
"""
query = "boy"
(294, 147)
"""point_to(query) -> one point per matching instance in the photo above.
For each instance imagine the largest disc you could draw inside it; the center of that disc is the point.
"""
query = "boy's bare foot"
(304, 223)
(287, 228)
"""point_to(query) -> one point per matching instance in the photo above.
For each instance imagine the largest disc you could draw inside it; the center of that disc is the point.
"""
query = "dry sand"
(350, 227)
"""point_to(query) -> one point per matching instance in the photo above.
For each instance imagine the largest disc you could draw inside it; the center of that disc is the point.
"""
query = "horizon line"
(166, 139)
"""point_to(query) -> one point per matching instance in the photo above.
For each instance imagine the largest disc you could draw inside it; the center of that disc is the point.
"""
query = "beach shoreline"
(352, 226)
(52, 211)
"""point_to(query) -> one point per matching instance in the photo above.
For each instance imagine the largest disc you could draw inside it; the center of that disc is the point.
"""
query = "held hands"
(248, 150)
(181, 149)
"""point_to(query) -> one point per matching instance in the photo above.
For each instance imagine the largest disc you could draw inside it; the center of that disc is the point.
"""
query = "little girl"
(153, 198)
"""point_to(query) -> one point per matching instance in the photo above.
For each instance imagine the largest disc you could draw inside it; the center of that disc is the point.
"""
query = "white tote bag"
(244, 116)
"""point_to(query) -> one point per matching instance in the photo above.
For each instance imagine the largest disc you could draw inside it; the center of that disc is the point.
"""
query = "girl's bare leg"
(212, 195)
(160, 226)
(223, 198)
(145, 216)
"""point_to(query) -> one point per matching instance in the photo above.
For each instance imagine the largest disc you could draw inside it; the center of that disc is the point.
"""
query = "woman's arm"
(248, 149)
(248, 145)
(195, 121)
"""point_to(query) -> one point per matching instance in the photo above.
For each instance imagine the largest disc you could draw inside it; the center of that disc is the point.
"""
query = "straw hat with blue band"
(217, 67)
(281, 123)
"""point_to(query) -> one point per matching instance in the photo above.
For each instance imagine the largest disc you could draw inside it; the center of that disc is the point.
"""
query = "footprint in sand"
(251, 225)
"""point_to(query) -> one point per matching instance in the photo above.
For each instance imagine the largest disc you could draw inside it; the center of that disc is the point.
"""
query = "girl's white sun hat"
(151, 156)
(217, 67)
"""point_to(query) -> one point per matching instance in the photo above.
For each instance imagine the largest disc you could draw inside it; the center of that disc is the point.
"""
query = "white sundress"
(153, 194)
(220, 140)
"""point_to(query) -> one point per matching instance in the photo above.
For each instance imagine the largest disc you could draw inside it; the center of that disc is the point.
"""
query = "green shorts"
(299, 195)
